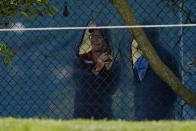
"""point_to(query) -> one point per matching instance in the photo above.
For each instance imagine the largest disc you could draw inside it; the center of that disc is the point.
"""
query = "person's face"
(96, 40)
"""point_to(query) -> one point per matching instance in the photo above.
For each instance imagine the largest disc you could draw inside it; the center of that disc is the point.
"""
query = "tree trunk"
(149, 52)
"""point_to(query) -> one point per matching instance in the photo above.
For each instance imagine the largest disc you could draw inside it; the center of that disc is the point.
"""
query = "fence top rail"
(97, 27)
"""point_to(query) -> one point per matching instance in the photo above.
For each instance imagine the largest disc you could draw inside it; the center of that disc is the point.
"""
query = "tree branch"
(155, 62)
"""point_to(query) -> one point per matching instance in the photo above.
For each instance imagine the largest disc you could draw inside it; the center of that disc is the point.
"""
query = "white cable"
(98, 27)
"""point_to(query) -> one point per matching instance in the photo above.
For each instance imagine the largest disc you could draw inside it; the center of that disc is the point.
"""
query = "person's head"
(97, 40)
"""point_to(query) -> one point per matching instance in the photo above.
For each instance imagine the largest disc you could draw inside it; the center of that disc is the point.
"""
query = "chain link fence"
(49, 78)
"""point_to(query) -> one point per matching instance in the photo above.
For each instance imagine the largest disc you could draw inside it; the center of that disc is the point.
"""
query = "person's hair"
(106, 47)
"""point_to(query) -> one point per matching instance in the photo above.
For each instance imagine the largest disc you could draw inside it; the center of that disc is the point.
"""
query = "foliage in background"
(7, 54)
(9, 8)
(12, 8)
(179, 5)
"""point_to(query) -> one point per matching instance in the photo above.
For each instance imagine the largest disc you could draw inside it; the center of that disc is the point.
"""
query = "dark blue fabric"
(93, 97)
(154, 98)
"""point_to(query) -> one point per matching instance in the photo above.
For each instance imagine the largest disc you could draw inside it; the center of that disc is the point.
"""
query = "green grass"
(12, 124)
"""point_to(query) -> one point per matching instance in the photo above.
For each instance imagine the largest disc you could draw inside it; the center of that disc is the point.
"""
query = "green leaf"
(48, 12)
(10, 53)
(7, 61)
(54, 9)
(15, 13)
(45, 0)
(7, 54)
(35, 16)
(37, 11)
(44, 5)
(26, 15)
(3, 47)
(28, 7)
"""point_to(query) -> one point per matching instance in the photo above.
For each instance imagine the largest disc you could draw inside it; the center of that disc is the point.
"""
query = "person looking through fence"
(153, 98)
(99, 58)
(96, 80)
